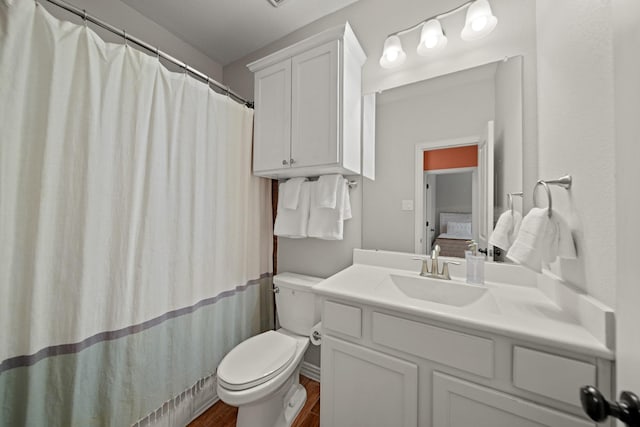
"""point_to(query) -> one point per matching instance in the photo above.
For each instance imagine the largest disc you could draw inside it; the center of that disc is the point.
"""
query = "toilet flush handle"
(276, 290)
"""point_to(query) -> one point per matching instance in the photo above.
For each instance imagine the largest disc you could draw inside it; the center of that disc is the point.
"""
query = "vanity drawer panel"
(552, 376)
(455, 349)
(342, 318)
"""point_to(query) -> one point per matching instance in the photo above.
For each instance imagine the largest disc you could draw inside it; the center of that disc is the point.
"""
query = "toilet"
(261, 374)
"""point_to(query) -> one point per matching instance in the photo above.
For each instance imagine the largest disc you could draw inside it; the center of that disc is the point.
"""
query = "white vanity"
(402, 350)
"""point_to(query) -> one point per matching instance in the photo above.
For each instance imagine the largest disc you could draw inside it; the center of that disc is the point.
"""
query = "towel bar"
(564, 182)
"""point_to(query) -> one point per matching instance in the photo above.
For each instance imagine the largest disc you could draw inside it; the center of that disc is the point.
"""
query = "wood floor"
(223, 415)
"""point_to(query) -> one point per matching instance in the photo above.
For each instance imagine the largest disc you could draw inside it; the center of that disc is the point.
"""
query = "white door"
(362, 387)
(272, 117)
(314, 116)
(458, 403)
(626, 21)
(485, 189)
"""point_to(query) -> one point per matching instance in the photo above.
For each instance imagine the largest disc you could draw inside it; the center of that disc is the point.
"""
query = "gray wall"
(123, 16)
(453, 194)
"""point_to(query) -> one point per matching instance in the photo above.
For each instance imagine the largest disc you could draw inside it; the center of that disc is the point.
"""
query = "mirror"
(448, 151)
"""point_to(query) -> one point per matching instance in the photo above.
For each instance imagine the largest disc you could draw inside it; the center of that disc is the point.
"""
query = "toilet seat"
(256, 360)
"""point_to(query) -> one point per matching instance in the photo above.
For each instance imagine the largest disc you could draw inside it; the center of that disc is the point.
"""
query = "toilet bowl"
(261, 374)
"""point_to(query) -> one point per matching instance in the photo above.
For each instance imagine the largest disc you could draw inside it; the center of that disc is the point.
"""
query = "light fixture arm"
(439, 16)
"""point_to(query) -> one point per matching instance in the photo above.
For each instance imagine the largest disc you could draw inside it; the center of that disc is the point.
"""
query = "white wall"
(626, 15)
(122, 16)
(576, 133)
(402, 121)
(372, 21)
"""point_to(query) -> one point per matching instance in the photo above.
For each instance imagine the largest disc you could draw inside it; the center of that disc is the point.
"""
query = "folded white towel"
(558, 241)
(528, 245)
(327, 223)
(289, 192)
(293, 223)
(506, 230)
(326, 193)
(542, 240)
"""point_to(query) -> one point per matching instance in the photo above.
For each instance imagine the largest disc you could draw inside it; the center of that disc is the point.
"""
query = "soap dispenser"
(475, 264)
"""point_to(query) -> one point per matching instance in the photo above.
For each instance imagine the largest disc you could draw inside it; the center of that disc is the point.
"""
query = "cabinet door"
(272, 117)
(458, 403)
(314, 124)
(362, 387)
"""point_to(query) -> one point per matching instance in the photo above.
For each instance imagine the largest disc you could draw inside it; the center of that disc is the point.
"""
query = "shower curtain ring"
(126, 40)
(84, 17)
(158, 54)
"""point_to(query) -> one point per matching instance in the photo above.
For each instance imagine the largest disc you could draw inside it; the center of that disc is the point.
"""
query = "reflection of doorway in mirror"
(450, 199)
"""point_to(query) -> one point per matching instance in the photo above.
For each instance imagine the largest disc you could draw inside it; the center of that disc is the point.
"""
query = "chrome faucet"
(434, 271)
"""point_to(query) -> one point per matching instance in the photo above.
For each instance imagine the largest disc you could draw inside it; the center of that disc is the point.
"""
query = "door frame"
(418, 230)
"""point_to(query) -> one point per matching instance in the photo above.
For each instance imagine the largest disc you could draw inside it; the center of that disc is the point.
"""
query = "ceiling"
(226, 30)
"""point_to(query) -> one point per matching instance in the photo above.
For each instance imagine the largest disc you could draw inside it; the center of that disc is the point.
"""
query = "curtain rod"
(127, 37)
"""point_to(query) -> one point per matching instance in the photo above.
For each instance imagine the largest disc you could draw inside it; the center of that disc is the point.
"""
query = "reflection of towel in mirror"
(327, 223)
(293, 223)
(506, 230)
(541, 240)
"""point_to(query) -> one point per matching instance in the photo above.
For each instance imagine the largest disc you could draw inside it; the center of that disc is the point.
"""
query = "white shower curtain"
(135, 245)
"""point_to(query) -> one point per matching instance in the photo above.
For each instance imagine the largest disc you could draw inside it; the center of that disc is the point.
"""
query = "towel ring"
(564, 182)
(546, 187)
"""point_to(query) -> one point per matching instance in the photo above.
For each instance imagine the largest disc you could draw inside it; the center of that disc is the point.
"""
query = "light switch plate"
(407, 205)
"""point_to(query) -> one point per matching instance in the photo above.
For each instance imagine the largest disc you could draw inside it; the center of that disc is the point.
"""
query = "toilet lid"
(256, 360)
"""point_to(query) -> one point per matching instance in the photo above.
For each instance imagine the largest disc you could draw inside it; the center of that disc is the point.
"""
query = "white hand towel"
(326, 194)
(558, 241)
(506, 230)
(327, 223)
(528, 245)
(293, 223)
(289, 192)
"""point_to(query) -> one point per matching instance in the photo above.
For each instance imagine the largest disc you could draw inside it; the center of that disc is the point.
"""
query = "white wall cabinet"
(404, 370)
(308, 107)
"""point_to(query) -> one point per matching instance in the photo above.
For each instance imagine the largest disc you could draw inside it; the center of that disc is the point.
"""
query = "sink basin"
(436, 290)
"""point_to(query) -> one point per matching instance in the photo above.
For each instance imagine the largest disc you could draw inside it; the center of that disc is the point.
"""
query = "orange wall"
(451, 158)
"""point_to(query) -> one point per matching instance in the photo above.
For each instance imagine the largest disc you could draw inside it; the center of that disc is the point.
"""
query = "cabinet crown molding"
(342, 32)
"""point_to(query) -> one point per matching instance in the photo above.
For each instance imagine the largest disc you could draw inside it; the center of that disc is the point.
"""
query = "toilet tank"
(295, 303)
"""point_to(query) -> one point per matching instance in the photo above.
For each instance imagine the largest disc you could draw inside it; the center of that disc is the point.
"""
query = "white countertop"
(522, 312)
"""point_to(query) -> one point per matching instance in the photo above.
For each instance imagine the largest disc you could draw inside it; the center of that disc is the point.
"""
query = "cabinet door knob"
(599, 408)
(292, 161)
(284, 163)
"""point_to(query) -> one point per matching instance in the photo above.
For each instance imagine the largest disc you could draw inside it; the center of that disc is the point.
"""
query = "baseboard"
(310, 370)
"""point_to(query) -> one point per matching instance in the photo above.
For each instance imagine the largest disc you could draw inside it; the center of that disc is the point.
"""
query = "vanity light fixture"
(479, 22)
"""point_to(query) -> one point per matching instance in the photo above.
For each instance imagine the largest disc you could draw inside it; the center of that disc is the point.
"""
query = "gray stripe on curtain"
(56, 350)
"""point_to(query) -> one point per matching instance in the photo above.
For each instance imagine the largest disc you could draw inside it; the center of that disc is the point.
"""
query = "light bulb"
(431, 38)
(479, 22)
(392, 53)
(431, 41)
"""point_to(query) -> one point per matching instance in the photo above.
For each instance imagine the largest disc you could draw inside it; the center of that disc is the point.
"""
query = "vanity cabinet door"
(458, 403)
(272, 117)
(363, 387)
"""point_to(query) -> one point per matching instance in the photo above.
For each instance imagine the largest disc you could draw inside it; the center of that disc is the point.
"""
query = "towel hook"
(564, 182)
